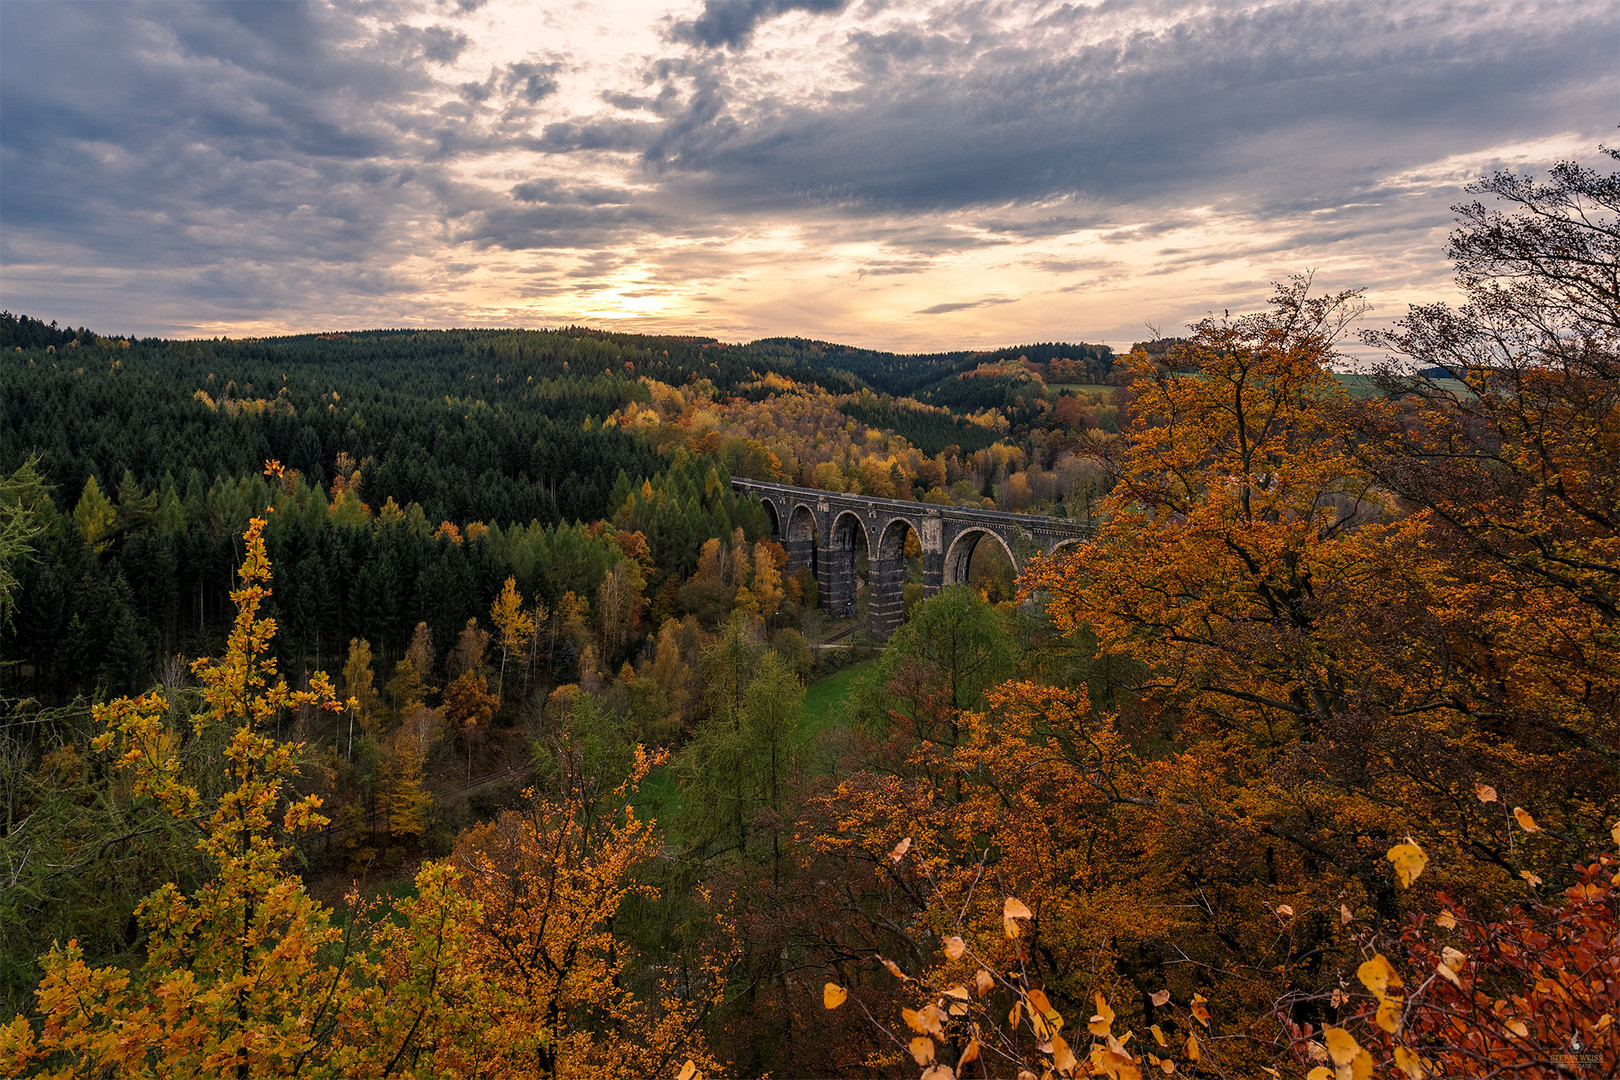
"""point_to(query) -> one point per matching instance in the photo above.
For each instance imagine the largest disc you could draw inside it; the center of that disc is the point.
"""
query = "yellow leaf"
(1409, 1063)
(1448, 975)
(1614, 833)
(958, 992)
(1378, 975)
(1103, 1022)
(1345, 914)
(971, 1053)
(1198, 1009)
(1192, 1049)
(1445, 920)
(894, 968)
(983, 982)
(1603, 1021)
(1285, 910)
(900, 850)
(1533, 879)
(955, 947)
(1012, 909)
(1063, 1058)
(1518, 1028)
(1408, 860)
(1158, 1035)
(1167, 1064)
(913, 1020)
(687, 1071)
(1015, 1014)
(1484, 792)
(1453, 958)
(1526, 822)
(922, 1050)
(1389, 1014)
(1160, 997)
(1341, 1045)
(1321, 1072)
(833, 995)
(939, 1072)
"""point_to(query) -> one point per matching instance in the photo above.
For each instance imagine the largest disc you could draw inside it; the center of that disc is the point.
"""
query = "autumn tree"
(618, 606)
(1498, 431)
(769, 559)
(96, 517)
(469, 651)
(402, 786)
(229, 971)
(540, 963)
(359, 682)
(468, 708)
(513, 625)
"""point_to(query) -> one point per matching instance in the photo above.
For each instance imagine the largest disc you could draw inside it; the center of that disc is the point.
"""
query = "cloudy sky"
(891, 173)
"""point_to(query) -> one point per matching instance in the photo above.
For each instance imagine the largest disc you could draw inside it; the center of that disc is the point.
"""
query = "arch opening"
(802, 524)
(839, 574)
(990, 568)
(799, 541)
(897, 568)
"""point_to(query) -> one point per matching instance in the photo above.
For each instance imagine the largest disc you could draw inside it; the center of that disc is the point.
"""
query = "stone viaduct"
(824, 531)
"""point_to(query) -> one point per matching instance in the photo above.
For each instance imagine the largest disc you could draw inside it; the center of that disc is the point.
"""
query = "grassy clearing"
(1359, 385)
(823, 715)
(659, 797)
(822, 698)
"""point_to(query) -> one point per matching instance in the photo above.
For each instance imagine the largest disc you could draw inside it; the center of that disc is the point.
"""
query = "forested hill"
(442, 361)
(506, 408)
(911, 373)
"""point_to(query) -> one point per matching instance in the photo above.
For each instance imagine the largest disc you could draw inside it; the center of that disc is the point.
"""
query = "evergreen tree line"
(122, 580)
(929, 430)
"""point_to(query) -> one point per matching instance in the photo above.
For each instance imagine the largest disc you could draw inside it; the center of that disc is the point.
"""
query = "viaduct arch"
(826, 532)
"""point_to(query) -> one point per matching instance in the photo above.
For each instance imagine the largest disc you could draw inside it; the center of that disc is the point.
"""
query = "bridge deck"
(1032, 522)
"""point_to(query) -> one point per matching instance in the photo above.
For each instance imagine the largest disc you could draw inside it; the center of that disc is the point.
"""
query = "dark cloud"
(1290, 102)
(731, 22)
(619, 135)
(555, 192)
(531, 81)
(1038, 228)
(435, 44)
(966, 305)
